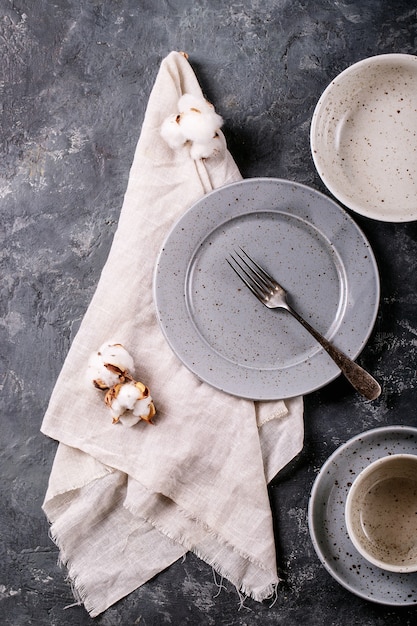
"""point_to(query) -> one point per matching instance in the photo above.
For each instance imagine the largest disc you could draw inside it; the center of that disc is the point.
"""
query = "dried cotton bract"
(129, 401)
(196, 124)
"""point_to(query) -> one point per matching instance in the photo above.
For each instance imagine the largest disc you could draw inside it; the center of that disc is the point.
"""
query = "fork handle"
(363, 382)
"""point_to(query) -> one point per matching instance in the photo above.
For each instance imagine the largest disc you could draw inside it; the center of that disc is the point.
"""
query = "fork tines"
(252, 274)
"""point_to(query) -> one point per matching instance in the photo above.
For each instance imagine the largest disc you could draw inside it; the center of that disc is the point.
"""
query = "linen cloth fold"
(125, 503)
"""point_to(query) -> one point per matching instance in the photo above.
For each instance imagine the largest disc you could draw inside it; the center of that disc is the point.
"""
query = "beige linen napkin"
(125, 503)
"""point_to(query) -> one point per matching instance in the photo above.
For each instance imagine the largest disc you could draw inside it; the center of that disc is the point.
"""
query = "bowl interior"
(364, 137)
(381, 513)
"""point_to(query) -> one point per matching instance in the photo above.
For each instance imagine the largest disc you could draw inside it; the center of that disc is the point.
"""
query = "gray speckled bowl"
(326, 517)
(364, 137)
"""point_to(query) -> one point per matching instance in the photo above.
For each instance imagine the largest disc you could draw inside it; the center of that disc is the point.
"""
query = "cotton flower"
(129, 401)
(198, 120)
(197, 124)
(132, 397)
(109, 365)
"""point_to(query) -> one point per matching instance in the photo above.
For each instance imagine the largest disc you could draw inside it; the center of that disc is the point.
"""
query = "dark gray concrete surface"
(74, 84)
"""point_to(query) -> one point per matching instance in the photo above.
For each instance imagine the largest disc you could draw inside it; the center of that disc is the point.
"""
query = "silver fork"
(273, 296)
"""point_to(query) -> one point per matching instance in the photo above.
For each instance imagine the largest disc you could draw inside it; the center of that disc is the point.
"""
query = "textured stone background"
(75, 79)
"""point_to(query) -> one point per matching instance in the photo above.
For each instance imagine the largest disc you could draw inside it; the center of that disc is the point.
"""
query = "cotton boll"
(216, 145)
(109, 365)
(172, 133)
(188, 102)
(125, 400)
(128, 419)
(99, 374)
(142, 406)
(200, 127)
(108, 369)
(116, 354)
(196, 122)
(120, 398)
(130, 398)
(143, 409)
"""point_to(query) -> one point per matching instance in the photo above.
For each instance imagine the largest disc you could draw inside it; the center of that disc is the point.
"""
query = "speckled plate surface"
(364, 137)
(217, 327)
(326, 517)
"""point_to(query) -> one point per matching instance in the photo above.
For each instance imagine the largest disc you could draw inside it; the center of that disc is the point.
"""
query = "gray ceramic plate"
(217, 327)
(327, 522)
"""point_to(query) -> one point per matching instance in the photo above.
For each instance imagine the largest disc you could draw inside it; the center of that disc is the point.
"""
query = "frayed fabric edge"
(77, 588)
(82, 599)
(182, 540)
(81, 596)
(266, 593)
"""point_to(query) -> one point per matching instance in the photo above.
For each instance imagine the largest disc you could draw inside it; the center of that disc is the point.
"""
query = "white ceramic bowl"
(381, 513)
(364, 137)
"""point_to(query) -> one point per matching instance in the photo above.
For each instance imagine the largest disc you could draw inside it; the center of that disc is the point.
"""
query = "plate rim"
(314, 493)
(340, 196)
(306, 190)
